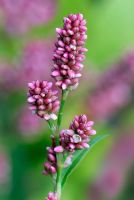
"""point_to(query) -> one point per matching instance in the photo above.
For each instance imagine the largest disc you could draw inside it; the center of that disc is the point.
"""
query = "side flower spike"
(78, 136)
(50, 167)
(69, 52)
(43, 100)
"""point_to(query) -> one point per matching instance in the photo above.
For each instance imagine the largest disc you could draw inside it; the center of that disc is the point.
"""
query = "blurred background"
(106, 94)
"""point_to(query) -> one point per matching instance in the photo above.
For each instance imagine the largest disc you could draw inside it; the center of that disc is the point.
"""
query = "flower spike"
(43, 100)
(69, 52)
(78, 136)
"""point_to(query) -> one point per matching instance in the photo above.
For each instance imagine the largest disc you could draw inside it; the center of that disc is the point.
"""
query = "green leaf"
(78, 156)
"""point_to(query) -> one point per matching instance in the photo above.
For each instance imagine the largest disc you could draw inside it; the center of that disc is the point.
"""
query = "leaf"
(78, 156)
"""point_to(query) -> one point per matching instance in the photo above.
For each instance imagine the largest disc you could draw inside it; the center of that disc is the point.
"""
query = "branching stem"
(55, 132)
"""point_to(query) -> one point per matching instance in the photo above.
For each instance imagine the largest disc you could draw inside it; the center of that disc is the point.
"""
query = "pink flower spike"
(50, 167)
(69, 52)
(81, 130)
(43, 99)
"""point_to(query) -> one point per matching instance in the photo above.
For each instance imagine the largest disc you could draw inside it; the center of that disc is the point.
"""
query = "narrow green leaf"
(78, 156)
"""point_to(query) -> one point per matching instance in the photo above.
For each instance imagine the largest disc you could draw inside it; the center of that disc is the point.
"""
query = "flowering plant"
(69, 146)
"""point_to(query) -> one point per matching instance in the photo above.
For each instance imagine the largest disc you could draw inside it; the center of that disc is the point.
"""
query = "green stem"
(60, 114)
(51, 126)
(59, 156)
(58, 184)
(59, 173)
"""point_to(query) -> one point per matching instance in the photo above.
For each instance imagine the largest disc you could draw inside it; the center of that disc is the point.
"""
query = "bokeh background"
(106, 94)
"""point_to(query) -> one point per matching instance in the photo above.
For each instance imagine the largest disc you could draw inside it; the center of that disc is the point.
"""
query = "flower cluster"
(50, 166)
(69, 52)
(52, 196)
(43, 100)
(77, 137)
